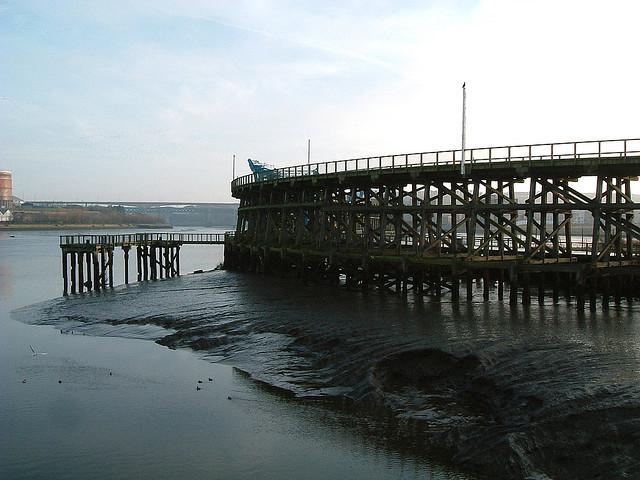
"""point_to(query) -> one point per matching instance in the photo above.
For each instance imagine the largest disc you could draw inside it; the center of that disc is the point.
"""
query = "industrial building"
(6, 196)
(6, 187)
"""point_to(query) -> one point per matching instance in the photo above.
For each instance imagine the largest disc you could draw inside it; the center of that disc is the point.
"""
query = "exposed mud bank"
(510, 420)
(506, 393)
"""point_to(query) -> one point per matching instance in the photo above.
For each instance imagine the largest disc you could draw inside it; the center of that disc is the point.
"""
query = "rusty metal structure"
(87, 260)
(412, 223)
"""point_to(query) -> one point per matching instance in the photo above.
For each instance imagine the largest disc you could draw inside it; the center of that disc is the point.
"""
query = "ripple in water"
(509, 392)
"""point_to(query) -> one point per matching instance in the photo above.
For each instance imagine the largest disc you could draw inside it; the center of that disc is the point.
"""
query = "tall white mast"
(464, 125)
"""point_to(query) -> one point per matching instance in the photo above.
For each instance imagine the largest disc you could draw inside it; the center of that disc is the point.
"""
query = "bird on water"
(35, 352)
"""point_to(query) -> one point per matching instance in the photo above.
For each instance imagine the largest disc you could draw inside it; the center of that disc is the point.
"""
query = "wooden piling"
(73, 272)
(81, 272)
(605, 292)
(65, 280)
(513, 287)
(103, 269)
(485, 285)
(145, 262)
(455, 284)
(139, 262)
(593, 294)
(126, 265)
(152, 262)
(89, 275)
(110, 255)
(541, 288)
(556, 288)
(96, 271)
(526, 291)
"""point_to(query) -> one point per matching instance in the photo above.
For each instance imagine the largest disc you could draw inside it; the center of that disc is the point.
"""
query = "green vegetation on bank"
(95, 216)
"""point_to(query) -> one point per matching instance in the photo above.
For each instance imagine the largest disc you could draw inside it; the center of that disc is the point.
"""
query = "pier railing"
(451, 159)
(129, 239)
(580, 246)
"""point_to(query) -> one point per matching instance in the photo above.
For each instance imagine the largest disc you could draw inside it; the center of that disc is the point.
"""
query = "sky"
(148, 100)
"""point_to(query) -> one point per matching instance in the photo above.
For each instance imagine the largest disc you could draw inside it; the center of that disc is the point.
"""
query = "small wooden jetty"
(87, 260)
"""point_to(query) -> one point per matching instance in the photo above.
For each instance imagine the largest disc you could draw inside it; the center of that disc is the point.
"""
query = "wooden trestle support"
(428, 233)
(157, 257)
(154, 260)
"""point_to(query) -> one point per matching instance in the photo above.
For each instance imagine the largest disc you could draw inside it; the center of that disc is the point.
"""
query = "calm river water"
(129, 408)
(328, 383)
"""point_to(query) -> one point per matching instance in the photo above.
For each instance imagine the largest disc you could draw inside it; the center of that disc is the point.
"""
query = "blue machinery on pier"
(414, 223)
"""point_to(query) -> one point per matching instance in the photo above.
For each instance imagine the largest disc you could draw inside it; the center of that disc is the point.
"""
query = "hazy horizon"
(149, 101)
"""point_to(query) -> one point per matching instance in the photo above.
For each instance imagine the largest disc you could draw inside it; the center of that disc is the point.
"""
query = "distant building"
(6, 189)
(5, 214)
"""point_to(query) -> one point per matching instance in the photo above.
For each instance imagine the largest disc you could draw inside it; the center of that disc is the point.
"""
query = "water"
(345, 384)
(128, 407)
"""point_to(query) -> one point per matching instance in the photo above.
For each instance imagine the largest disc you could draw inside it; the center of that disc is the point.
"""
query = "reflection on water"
(129, 408)
(5, 281)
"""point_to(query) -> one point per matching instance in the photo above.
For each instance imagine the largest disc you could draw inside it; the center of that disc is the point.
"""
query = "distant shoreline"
(84, 226)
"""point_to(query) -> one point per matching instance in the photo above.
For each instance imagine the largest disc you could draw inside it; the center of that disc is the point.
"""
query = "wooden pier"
(87, 260)
(413, 223)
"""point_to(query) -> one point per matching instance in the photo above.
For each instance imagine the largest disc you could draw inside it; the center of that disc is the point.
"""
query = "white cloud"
(258, 78)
